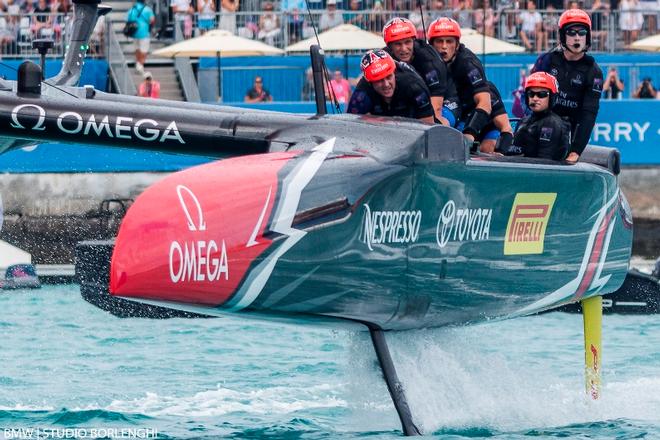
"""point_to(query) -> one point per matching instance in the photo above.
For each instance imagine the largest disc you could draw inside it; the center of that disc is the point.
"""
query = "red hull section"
(193, 236)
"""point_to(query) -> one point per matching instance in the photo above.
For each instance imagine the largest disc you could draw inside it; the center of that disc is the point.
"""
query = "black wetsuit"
(469, 77)
(543, 134)
(411, 98)
(429, 65)
(580, 87)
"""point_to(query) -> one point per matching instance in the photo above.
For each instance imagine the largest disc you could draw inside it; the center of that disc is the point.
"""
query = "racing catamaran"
(360, 222)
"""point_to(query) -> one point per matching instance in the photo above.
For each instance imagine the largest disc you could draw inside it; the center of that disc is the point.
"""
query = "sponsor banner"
(390, 227)
(193, 236)
(631, 126)
(528, 220)
(462, 224)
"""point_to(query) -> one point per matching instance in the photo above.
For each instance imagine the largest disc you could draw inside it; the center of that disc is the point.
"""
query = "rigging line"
(421, 13)
(326, 74)
(44, 81)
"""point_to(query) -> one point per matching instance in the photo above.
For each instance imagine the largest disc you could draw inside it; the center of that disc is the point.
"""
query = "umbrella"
(476, 42)
(650, 44)
(344, 37)
(217, 42)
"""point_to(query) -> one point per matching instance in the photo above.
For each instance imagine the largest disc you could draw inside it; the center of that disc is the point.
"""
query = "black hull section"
(93, 273)
(639, 295)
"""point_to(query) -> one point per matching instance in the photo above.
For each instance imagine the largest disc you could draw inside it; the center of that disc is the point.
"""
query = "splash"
(507, 377)
(222, 401)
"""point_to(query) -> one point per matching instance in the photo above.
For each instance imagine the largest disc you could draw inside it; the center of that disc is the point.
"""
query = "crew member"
(390, 88)
(543, 133)
(580, 79)
(482, 111)
(400, 35)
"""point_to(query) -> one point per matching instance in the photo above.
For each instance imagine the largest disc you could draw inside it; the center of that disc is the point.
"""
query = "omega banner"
(110, 123)
(632, 126)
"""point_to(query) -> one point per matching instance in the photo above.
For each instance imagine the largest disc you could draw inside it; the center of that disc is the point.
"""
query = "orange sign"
(525, 232)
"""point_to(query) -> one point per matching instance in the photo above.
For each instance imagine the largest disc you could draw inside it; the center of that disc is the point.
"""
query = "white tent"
(217, 43)
(649, 44)
(345, 37)
(12, 255)
(475, 41)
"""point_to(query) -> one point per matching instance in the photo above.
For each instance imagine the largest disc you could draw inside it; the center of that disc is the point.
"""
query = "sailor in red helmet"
(483, 114)
(543, 133)
(580, 79)
(400, 35)
(390, 88)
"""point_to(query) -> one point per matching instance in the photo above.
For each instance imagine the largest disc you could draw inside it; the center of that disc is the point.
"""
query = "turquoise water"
(66, 364)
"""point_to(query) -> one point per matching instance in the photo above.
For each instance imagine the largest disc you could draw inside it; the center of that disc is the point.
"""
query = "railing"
(119, 71)
(281, 29)
(187, 79)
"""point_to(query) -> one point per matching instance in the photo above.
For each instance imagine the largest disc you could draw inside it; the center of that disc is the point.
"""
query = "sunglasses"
(574, 32)
(541, 94)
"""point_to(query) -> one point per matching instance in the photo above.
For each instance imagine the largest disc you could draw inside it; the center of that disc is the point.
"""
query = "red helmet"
(543, 80)
(376, 65)
(573, 17)
(398, 29)
(444, 27)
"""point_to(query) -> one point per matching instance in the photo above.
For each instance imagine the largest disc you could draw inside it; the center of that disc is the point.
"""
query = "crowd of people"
(531, 23)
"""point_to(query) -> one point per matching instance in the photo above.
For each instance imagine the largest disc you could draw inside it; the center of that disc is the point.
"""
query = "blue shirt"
(142, 17)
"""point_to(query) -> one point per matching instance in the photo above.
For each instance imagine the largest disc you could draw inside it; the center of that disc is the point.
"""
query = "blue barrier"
(285, 76)
(94, 72)
(63, 158)
(632, 126)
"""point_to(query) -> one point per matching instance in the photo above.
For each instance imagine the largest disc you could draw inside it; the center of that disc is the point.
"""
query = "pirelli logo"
(525, 232)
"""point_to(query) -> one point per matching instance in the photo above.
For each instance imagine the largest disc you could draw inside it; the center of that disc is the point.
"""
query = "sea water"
(70, 370)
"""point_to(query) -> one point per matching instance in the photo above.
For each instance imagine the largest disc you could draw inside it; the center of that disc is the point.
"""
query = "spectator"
(149, 88)
(97, 39)
(630, 20)
(258, 93)
(341, 88)
(508, 26)
(463, 14)
(531, 27)
(294, 14)
(613, 85)
(439, 9)
(42, 24)
(355, 16)
(145, 18)
(330, 17)
(649, 9)
(8, 33)
(645, 90)
(183, 12)
(269, 25)
(517, 108)
(60, 10)
(550, 27)
(419, 21)
(205, 15)
(378, 18)
(599, 15)
(308, 93)
(485, 26)
(228, 15)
